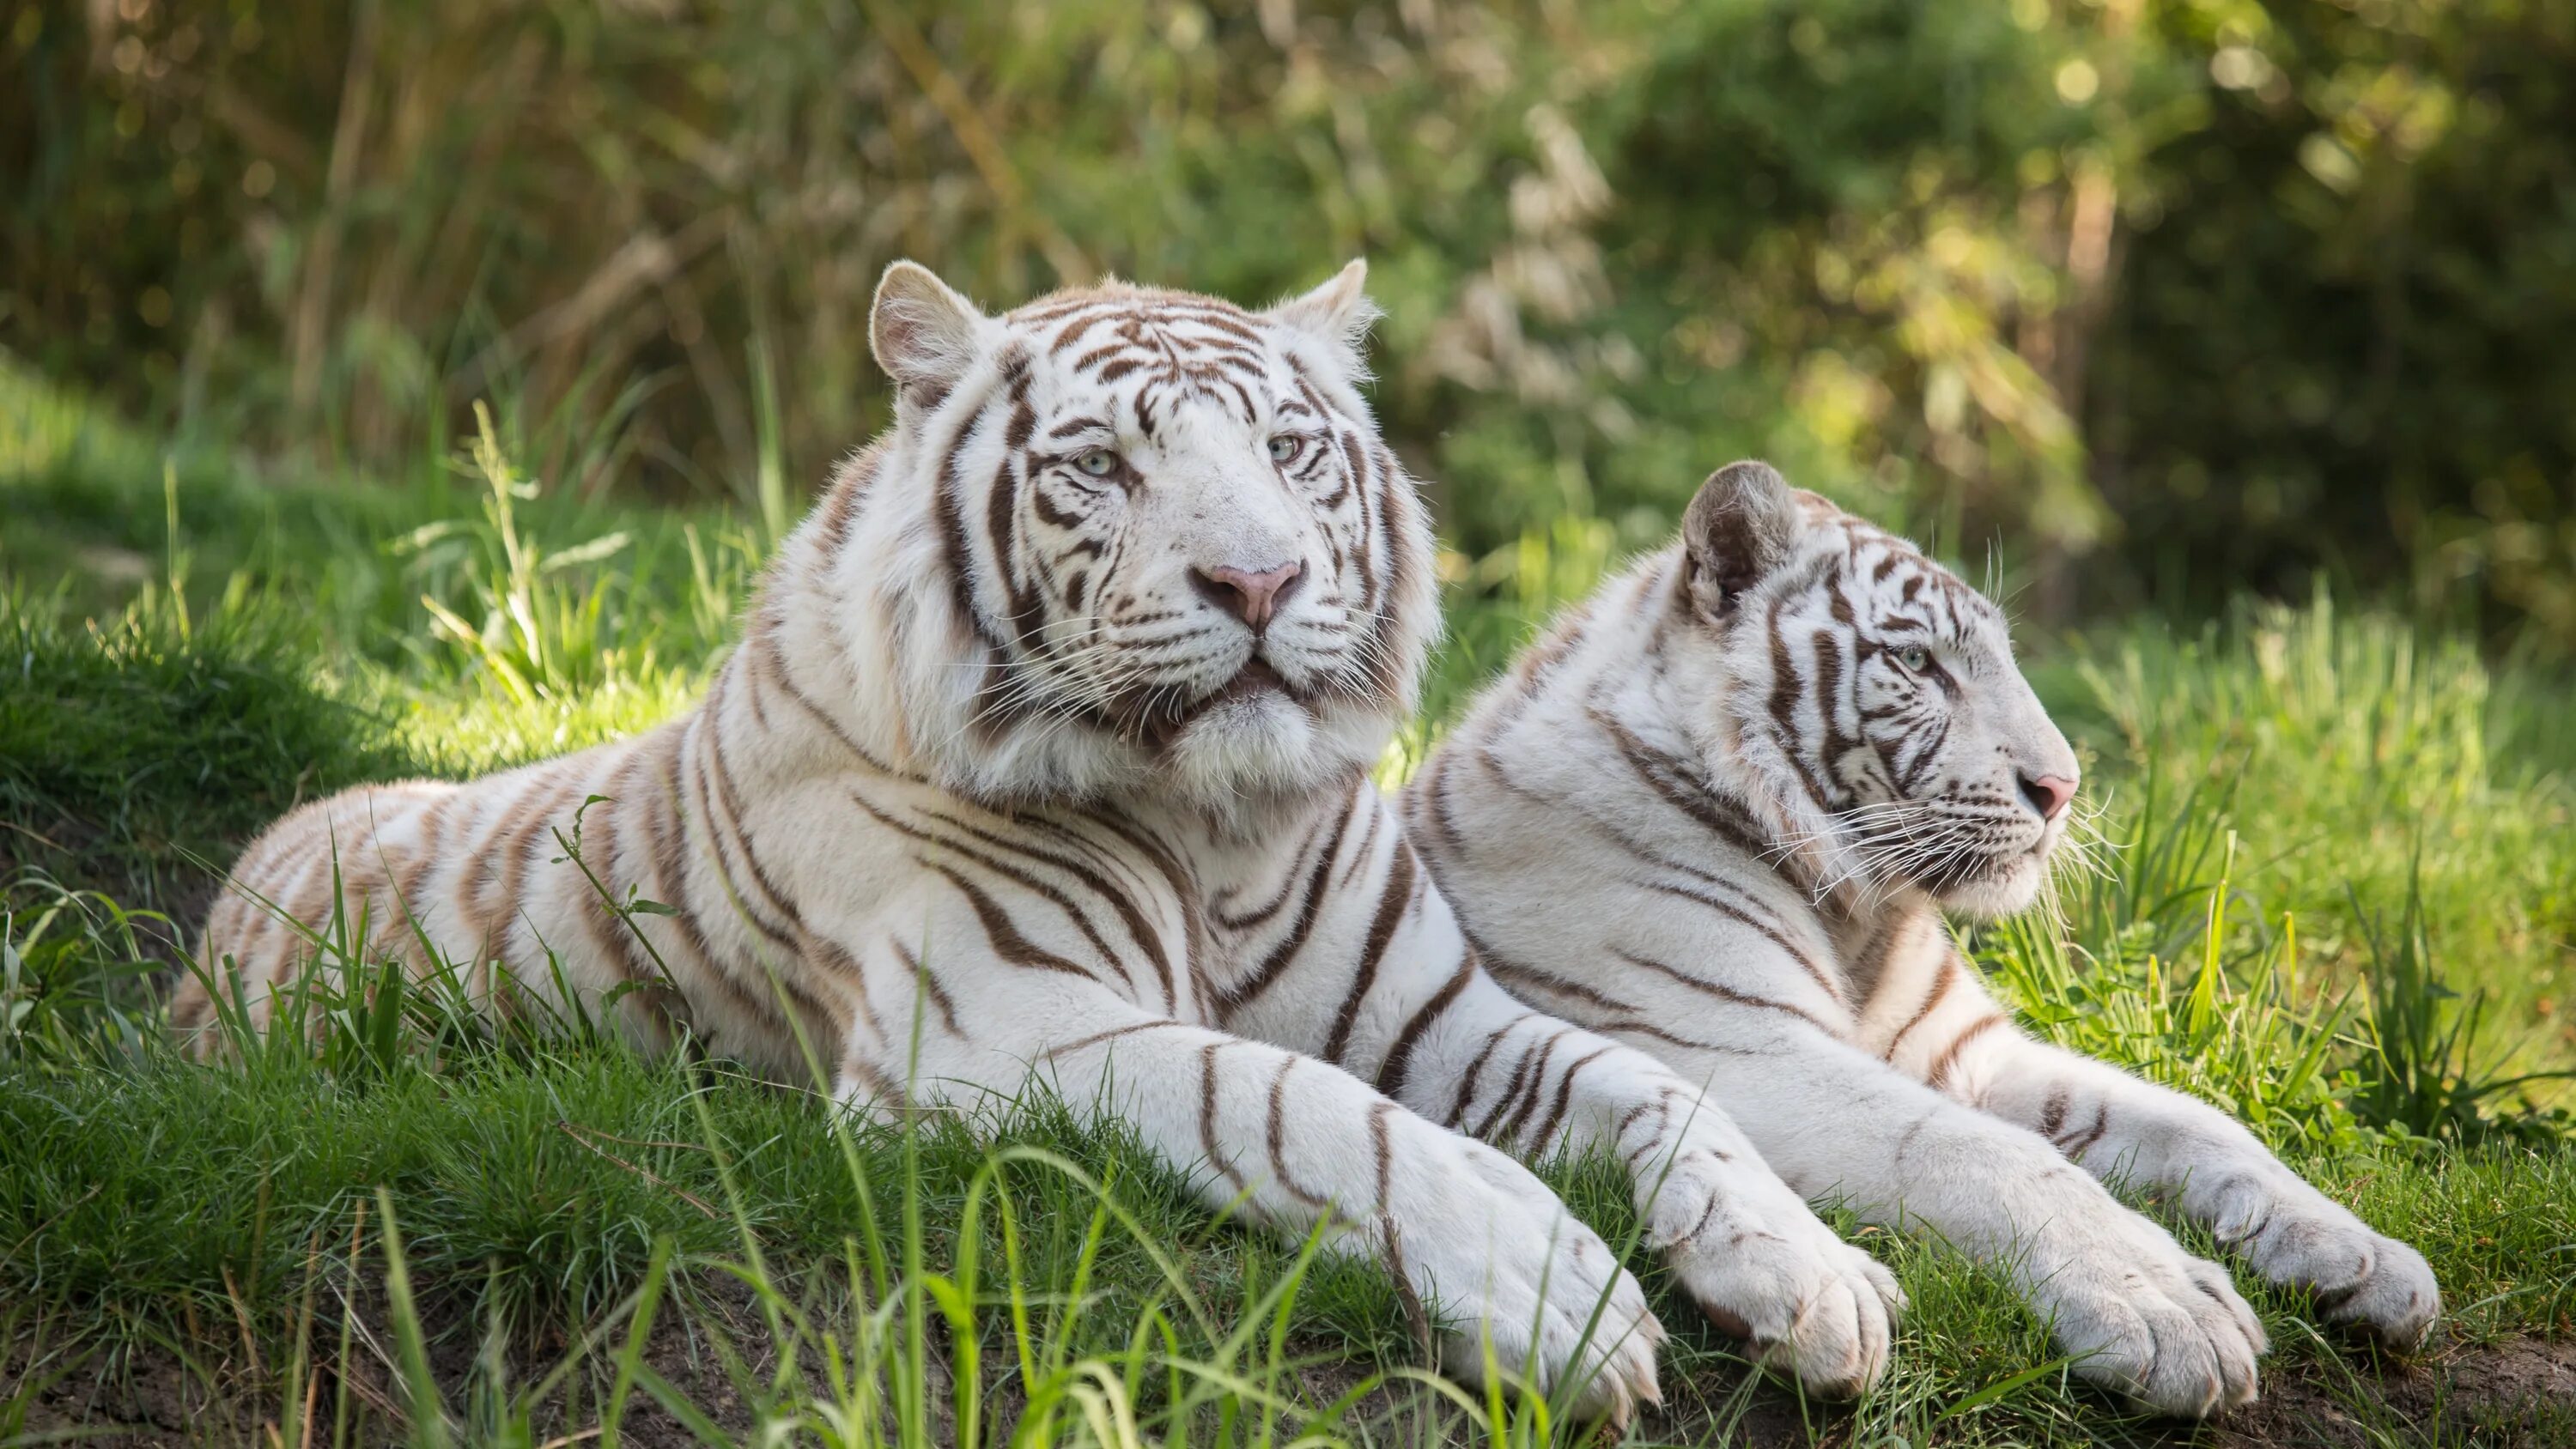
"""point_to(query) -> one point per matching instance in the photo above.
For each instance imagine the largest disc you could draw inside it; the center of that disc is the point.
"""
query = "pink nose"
(1251, 597)
(2048, 794)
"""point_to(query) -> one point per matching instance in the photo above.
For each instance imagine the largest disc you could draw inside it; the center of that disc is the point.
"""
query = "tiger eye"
(1098, 463)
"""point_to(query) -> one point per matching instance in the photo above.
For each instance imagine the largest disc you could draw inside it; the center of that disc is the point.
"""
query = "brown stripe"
(836, 963)
(1399, 1058)
(880, 1086)
(1184, 891)
(1737, 914)
(1866, 969)
(1007, 942)
(1379, 1111)
(2101, 1124)
(1676, 783)
(1112, 1034)
(1537, 1083)
(1629, 1118)
(540, 816)
(1723, 993)
(1279, 1134)
(1784, 707)
(1670, 1038)
(1476, 1068)
(1016, 876)
(796, 692)
(776, 899)
(1947, 977)
(1663, 1109)
(670, 857)
(1208, 1143)
(1509, 971)
(1129, 914)
(433, 829)
(1543, 1133)
(1233, 998)
(719, 853)
(1392, 904)
(1949, 1057)
(1366, 850)
(928, 980)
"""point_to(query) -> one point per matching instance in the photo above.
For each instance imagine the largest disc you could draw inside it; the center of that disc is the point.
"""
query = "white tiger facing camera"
(1718, 810)
(1181, 558)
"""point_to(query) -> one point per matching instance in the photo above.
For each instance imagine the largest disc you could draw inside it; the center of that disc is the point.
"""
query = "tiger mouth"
(1982, 867)
(1255, 676)
(1159, 726)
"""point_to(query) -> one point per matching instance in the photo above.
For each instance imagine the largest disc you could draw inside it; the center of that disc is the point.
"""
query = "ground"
(2333, 889)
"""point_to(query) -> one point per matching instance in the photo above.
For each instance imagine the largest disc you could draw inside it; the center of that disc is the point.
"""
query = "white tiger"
(1718, 810)
(1050, 729)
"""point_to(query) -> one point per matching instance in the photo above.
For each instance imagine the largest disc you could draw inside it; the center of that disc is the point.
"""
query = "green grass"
(2337, 892)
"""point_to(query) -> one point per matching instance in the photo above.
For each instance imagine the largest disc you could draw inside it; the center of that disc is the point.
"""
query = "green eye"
(1285, 447)
(1098, 463)
(1914, 657)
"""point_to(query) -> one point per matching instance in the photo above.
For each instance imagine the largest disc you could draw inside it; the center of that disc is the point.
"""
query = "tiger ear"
(1738, 527)
(1335, 315)
(923, 332)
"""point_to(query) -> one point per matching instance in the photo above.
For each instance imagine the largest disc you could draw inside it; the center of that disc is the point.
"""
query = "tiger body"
(1718, 811)
(1045, 750)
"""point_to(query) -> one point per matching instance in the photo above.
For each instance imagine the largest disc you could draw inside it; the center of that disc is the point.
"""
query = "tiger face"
(1879, 694)
(1174, 548)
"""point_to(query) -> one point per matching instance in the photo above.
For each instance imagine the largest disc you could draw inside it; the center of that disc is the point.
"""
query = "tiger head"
(1144, 539)
(1875, 696)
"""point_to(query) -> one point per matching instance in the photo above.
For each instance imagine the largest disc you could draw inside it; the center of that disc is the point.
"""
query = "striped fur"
(1718, 811)
(1004, 766)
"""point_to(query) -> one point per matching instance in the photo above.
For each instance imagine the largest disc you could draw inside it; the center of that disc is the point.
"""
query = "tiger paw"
(2147, 1319)
(1499, 1260)
(2391, 1293)
(1763, 1267)
(2294, 1235)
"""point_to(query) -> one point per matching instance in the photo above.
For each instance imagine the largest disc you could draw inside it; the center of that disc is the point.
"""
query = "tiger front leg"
(1487, 1250)
(1748, 1249)
(2149, 1137)
(2136, 1311)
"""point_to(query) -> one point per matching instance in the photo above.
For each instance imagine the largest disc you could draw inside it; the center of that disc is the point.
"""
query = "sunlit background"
(2153, 300)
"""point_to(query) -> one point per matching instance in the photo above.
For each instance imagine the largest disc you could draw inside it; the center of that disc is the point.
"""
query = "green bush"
(2230, 289)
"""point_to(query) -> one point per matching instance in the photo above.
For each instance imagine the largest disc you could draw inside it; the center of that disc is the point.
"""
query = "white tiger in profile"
(1718, 810)
(1049, 731)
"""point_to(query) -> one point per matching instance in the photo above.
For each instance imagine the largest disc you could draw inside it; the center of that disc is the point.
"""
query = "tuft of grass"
(132, 746)
(2364, 765)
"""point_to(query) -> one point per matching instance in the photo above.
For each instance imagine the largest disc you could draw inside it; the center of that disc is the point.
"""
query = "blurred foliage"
(2165, 295)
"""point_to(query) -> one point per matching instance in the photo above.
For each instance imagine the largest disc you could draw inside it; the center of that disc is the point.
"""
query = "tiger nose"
(1249, 596)
(2047, 794)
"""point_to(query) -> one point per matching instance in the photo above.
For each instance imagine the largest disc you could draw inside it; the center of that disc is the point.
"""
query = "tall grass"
(405, 1218)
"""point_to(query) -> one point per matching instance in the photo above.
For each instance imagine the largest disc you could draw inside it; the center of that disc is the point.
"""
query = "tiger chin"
(1718, 811)
(1044, 750)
